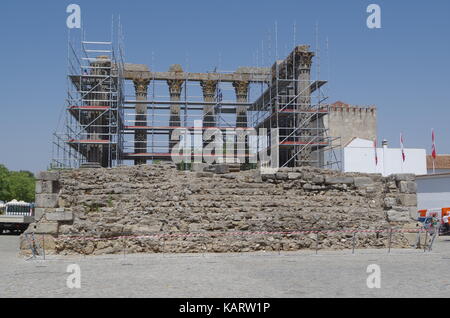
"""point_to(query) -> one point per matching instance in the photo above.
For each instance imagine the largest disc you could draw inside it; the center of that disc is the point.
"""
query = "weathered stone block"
(47, 242)
(204, 174)
(38, 187)
(44, 228)
(38, 213)
(408, 186)
(408, 199)
(338, 180)
(46, 200)
(318, 179)
(281, 176)
(361, 182)
(48, 175)
(294, 175)
(404, 177)
(44, 186)
(389, 202)
(64, 216)
(199, 166)
(413, 213)
(267, 176)
(221, 169)
(398, 216)
(209, 168)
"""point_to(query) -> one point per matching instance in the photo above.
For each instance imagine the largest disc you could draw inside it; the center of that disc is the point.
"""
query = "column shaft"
(209, 90)
(140, 136)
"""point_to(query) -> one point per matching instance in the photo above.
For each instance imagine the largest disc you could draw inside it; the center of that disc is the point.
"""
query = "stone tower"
(348, 121)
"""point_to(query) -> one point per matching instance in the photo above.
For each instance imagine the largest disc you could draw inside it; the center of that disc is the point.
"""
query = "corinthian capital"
(140, 86)
(303, 60)
(241, 88)
(175, 87)
(209, 88)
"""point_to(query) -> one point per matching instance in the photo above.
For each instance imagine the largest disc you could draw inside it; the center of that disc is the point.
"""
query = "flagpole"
(433, 149)
(401, 146)
(402, 165)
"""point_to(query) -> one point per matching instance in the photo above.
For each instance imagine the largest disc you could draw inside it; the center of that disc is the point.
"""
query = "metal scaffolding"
(90, 131)
(296, 105)
(118, 112)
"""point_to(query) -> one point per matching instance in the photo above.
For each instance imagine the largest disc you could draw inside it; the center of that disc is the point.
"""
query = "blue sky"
(402, 68)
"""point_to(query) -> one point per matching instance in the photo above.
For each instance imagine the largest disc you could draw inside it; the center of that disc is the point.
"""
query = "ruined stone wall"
(159, 200)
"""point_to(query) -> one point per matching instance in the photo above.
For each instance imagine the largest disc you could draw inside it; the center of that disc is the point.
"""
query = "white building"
(359, 156)
(433, 191)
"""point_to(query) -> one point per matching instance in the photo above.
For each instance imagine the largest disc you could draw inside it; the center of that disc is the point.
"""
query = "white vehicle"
(18, 215)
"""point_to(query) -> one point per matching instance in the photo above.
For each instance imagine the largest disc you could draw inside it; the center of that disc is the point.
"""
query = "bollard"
(279, 249)
(432, 239)
(43, 246)
(353, 242)
(124, 249)
(164, 247)
(390, 240)
(425, 243)
(317, 242)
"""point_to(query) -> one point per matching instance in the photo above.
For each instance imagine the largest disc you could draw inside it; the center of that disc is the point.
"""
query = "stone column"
(175, 87)
(241, 88)
(303, 59)
(140, 137)
(209, 90)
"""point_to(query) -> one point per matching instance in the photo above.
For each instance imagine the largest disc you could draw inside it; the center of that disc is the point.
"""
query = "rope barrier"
(246, 233)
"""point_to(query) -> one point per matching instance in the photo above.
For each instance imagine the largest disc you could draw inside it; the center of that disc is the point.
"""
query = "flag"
(402, 147)
(375, 149)
(433, 145)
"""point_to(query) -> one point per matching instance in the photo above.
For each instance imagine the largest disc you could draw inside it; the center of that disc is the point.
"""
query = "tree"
(4, 174)
(19, 185)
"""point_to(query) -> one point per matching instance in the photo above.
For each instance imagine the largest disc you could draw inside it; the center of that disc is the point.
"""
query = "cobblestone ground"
(404, 273)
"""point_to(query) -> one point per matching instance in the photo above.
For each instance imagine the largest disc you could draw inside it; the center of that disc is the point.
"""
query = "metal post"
(390, 240)
(317, 242)
(279, 249)
(164, 246)
(353, 242)
(124, 249)
(43, 245)
(425, 243)
(436, 231)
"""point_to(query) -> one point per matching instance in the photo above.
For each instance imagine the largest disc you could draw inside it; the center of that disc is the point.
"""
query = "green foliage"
(248, 166)
(110, 201)
(183, 166)
(19, 185)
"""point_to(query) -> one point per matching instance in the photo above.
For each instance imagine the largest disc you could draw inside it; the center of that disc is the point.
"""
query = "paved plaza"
(404, 273)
